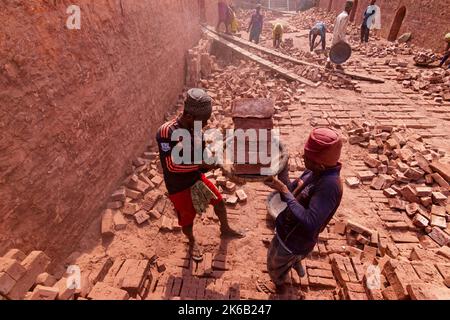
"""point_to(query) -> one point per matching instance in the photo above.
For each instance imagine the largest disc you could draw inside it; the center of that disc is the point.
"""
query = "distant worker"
(277, 34)
(224, 16)
(447, 53)
(312, 200)
(256, 25)
(367, 21)
(340, 28)
(234, 24)
(319, 29)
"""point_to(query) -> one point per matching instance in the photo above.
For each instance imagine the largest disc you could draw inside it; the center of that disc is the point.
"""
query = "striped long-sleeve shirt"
(177, 177)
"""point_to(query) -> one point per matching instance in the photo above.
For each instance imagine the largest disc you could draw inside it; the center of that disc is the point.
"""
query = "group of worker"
(311, 200)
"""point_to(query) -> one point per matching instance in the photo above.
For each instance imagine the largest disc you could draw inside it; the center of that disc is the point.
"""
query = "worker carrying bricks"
(311, 200)
(189, 190)
(319, 29)
(224, 16)
(447, 51)
(256, 25)
(277, 35)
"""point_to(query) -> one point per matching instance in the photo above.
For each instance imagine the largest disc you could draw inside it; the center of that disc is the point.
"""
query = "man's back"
(177, 177)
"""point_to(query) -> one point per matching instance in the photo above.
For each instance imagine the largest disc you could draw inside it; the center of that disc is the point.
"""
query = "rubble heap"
(409, 173)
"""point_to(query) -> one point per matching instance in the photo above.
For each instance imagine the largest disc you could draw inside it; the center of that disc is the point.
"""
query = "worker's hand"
(299, 187)
(209, 167)
(277, 185)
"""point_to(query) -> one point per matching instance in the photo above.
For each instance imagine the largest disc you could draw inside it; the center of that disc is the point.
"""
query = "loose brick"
(130, 209)
(44, 293)
(119, 195)
(438, 211)
(107, 227)
(352, 182)
(424, 291)
(13, 268)
(420, 221)
(133, 194)
(438, 198)
(46, 280)
(35, 264)
(242, 196)
(372, 162)
(119, 221)
(365, 175)
(409, 194)
(438, 221)
(65, 290)
(154, 214)
(358, 228)
(6, 283)
(390, 193)
(141, 216)
(423, 191)
(325, 283)
(166, 224)
(439, 236)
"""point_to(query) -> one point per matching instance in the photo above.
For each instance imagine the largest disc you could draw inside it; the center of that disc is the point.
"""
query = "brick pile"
(409, 174)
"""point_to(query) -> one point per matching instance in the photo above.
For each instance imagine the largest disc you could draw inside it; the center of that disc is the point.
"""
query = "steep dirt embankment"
(77, 105)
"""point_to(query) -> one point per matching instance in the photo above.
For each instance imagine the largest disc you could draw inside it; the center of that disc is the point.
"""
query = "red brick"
(65, 290)
(44, 293)
(6, 283)
(15, 254)
(107, 227)
(322, 282)
(35, 264)
(13, 268)
(439, 236)
(424, 291)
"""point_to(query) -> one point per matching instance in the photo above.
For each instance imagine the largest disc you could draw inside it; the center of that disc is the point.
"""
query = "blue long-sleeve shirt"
(300, 224)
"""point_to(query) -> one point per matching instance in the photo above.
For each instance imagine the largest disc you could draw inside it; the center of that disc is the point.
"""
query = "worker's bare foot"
(228, 233)
(195, 252)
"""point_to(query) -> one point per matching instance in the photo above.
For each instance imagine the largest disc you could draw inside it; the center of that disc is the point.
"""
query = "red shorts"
(182, 201)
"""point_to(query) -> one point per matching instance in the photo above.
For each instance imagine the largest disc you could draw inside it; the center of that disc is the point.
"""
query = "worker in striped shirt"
(189, 190)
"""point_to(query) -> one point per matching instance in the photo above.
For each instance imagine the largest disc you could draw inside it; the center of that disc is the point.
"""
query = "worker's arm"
(323, 202)
(250, 25)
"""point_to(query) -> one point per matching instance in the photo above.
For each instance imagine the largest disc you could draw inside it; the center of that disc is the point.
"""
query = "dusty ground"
(245, 259)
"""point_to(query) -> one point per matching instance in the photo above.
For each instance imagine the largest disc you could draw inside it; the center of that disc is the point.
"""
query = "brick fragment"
(119, 221)
(44, 293)
(141, 216)
(35, 264)
(13, 268)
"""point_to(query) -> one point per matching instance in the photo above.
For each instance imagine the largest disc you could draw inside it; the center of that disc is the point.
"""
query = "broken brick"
(141, 216)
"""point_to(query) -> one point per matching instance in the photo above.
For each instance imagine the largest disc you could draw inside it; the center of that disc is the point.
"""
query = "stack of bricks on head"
(250, 116)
